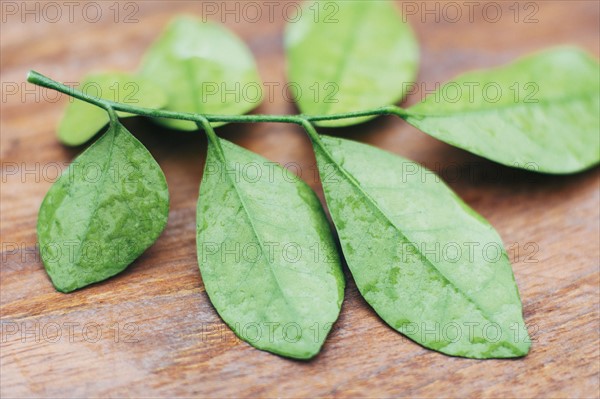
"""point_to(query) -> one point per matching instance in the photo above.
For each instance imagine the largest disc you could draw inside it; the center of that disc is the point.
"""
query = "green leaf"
(104, 211)
(267, 258)
(347, 56)
(538, 113)
(83, 120)
(204, 69)
(429, 265)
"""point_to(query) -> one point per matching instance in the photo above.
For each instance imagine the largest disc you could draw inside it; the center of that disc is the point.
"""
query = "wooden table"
(151, 331)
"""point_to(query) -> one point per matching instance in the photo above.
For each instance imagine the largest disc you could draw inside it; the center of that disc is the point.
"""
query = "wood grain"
(175, 344)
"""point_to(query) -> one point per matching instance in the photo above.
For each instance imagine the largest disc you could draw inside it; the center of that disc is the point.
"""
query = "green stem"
(41, 80)
(312, 132)
(205, 125)
(112, 115)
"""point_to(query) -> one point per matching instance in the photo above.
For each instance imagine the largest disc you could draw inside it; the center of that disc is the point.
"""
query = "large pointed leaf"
(268, 262)
(83, 120)
(108, 207)
(430, 266)
(539, 113)
(204, 69)
(349, 56)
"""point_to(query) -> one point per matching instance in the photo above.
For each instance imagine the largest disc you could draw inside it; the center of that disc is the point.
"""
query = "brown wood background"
(175, 344)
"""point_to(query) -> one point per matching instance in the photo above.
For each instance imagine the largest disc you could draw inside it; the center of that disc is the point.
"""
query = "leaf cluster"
(267, 256)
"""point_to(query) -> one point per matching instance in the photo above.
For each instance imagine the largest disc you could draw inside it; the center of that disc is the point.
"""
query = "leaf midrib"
(221, 155)
(346, 50)
(99, 193)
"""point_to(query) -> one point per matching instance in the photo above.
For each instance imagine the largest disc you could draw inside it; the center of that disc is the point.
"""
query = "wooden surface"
(175, 344)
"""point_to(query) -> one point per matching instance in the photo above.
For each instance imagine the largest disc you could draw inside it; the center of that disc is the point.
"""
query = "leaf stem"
(112, 115)
(204, 124)
(44, 81)
(213, 139)
(311, 131)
